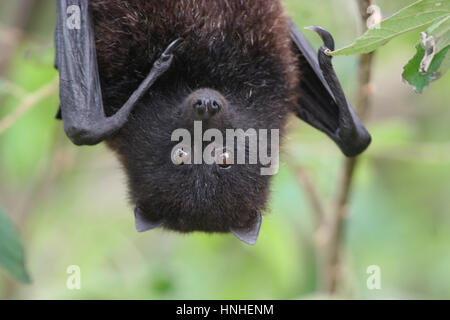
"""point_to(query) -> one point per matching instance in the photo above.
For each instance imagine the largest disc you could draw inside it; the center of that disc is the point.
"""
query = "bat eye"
(224, 159)
(180, 157)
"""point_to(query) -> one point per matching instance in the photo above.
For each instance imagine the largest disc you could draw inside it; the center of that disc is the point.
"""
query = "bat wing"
(322, 102)
(81, 107)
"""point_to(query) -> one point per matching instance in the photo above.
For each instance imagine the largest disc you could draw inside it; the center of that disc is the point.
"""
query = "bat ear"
(249, 235)
(322, 101)
(143, 223)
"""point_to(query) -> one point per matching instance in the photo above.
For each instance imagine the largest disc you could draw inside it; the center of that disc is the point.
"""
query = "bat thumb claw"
(173, 46)
(327, 38)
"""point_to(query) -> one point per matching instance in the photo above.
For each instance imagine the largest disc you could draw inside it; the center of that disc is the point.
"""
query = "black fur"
(241, 49)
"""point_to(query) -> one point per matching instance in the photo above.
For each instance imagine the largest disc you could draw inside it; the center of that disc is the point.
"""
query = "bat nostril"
(206, 104)
(215, 107)
(206, 107)
(200, 107)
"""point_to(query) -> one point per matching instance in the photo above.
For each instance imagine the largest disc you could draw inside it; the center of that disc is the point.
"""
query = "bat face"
(179, 194)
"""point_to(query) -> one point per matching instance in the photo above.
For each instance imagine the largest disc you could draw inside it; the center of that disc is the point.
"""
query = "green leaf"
(441, 32)
(421, 80)
(415, 17)
(432, 60)
(12, 256)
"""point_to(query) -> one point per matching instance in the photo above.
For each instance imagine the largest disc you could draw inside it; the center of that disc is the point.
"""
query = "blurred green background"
(70, 204)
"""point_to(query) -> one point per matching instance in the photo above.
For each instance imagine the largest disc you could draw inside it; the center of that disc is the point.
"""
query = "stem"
(28, 102)
(313, 196)
(19, 19)
(332, 258)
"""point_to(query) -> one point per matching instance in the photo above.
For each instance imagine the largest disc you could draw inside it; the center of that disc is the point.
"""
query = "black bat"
(132, 72)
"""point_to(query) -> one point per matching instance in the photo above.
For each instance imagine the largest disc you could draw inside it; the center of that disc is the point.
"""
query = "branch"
(338, 219)
(313, 196)
(7, 87)
(315, 201)
(27, 103)
(11, 36)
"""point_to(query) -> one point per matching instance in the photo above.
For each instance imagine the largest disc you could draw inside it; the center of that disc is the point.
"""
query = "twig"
(317, 205)
(337, 226)
(27, 103)
(311, 192)
(10, 88)
(338, 219)
(11, 37)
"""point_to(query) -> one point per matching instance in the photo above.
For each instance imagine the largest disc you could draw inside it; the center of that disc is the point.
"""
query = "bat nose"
(206, 104)
(206, 107)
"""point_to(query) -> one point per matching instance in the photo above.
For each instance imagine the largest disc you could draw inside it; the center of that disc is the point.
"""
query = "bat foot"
(342, 125)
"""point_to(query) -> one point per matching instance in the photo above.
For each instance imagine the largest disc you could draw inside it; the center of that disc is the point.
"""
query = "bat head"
(193, 156)
(190, 159)
(220, 80)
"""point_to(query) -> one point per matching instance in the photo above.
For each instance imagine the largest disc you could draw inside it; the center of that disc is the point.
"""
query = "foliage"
(11, 252)
(431, 60)
(419, 72)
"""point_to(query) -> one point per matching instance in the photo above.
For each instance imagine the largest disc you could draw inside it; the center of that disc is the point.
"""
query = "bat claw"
(327, 38)
(173, 47)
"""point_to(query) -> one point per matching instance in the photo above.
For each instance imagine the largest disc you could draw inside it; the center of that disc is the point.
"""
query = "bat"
(133, 72)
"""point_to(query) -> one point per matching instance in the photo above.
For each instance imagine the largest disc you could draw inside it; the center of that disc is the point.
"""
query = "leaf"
(417, 16)
(12, 256)
(441, 32)
(418, 80)
(432, 60)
